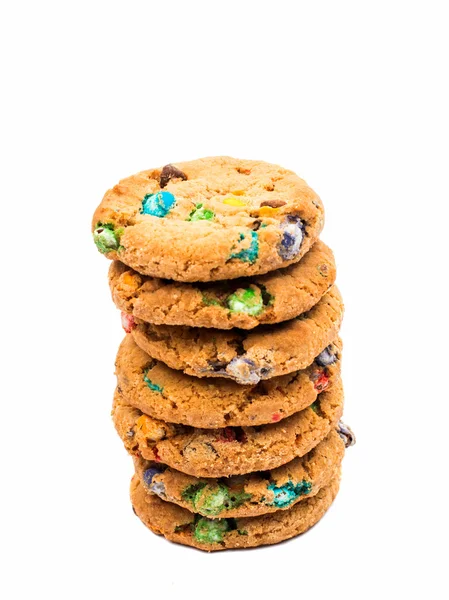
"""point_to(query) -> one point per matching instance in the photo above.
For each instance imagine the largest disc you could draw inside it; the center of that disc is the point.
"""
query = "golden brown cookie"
(244, 303)
(247, 358)
(209, 219)
(172, 396)
(232, 450)
(247, 495)
(183, 527)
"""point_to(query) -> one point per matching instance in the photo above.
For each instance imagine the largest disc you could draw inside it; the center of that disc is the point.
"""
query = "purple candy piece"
(292, 237)
(149, 474)
(326, 357)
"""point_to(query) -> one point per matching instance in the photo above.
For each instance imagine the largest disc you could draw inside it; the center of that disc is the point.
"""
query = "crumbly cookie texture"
(209, 219)
(232, 450)
(243, 303)
(269, 351)
(171, 395)
(247, 495)
(183, 527)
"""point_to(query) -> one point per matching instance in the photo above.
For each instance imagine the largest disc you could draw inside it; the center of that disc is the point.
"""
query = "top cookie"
(208, 219)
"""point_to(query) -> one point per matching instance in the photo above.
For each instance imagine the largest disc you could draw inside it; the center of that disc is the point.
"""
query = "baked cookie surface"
(173, 396)
(179, 525)
(247, 495)
(245, 357)
(208, 219)
(232, 450)
(243, 303)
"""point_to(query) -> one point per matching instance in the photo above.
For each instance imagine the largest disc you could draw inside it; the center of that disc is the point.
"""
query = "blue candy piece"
(292, 237)
(289, 492)
(158, 204)
(149, 474)
(248, 254)
(153, 386)
(326, 357)
(157, 487)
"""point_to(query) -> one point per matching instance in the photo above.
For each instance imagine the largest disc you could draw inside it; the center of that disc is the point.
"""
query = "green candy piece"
(190, 492)
(213, 499)
(106, 237)
(210, 531)
(209, 301)
(248, 254)
(199, 213)
(247, 301)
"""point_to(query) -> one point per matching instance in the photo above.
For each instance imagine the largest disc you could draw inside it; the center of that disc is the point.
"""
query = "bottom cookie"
(248, 495)
(183, 527)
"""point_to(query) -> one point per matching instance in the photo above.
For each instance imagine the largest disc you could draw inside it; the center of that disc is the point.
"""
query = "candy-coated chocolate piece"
(289, 492)
(128, 322)
(292, 237)
(326, 357)
(158, 204)
(106, 238)
(201, 213)
(210, 531)
(248, 301)
(251, 253)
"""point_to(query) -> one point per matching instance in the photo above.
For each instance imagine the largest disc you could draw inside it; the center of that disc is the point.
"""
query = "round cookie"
(244, 303)
(183, 527)
(209, 219)
(269, 351)
(247, 495)
(232, 450)
(172, 396)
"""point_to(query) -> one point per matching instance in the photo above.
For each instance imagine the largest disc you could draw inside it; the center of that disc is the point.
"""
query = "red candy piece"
(128, 322)
(275, 417)
(321, 381)
(157, 458)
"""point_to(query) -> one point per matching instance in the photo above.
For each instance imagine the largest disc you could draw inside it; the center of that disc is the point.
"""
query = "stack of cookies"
(228, 393)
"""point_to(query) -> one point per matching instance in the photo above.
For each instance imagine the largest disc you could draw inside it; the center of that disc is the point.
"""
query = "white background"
(351, 95)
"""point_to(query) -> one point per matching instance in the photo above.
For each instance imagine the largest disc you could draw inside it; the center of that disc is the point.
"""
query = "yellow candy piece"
(150, 428)
(233, 201)
(267, 211)
(129, 279)
(142, 422)
(238, 192)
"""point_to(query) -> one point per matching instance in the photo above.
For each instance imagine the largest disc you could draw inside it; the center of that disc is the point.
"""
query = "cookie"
(247, 495)
(208, 219)
(180, 525)
(172, 396)
(232, 450)
(269, 351)
(243, 303)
